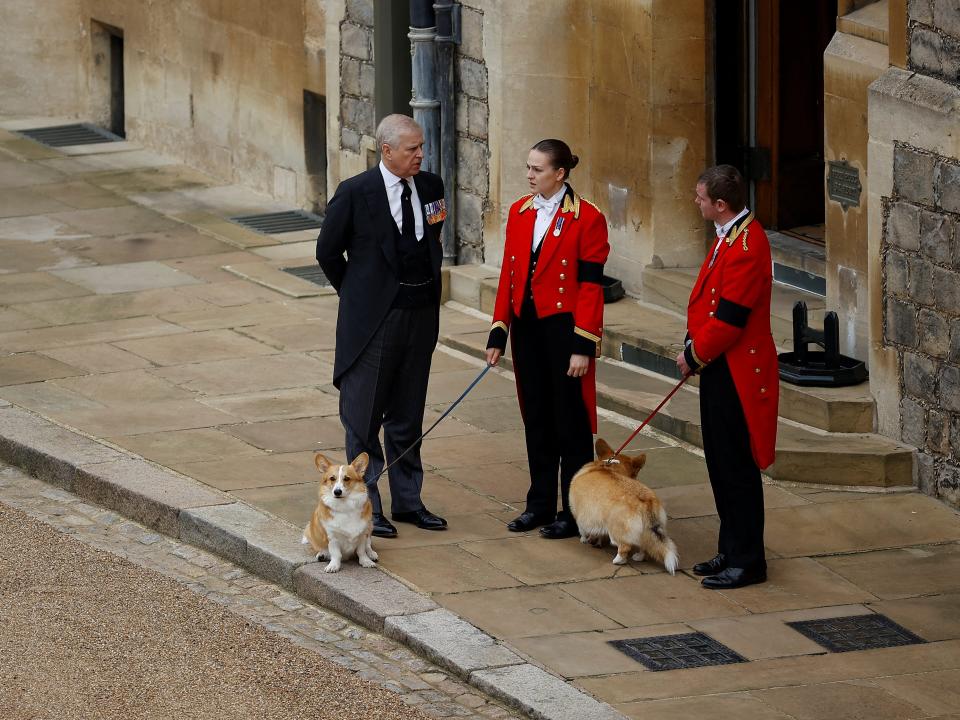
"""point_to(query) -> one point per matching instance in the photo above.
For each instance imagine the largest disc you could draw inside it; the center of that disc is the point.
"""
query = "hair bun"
(574, 161)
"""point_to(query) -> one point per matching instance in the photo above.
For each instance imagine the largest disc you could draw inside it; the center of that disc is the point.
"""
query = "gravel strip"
(102, 618)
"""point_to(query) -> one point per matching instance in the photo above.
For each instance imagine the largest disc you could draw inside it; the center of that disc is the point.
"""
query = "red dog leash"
(651, 415)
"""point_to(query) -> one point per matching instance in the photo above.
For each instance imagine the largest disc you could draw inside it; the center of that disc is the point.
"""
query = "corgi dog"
(607, 500)
(342, 524)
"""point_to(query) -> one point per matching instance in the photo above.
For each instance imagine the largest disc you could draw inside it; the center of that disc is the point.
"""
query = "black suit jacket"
(358, 223)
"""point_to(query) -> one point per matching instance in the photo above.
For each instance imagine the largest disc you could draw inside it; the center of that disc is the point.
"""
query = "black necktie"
(406, 213)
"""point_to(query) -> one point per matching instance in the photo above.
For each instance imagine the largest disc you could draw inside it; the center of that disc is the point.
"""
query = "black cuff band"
(691, 361)
(732, 313)
(584, 346)
(589, 271)
(497, 339)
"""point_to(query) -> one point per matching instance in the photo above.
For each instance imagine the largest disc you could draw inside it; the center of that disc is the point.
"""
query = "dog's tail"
(662, 548)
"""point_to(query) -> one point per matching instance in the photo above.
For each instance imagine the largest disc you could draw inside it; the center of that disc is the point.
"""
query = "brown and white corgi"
(607, 500)
(342, 523)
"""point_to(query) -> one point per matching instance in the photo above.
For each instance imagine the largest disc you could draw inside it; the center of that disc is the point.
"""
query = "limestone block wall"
(357, 104)
(914, 236)
(625, 84)
(38, 72)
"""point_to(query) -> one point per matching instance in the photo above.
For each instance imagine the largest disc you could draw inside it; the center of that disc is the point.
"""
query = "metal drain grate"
(66, 135)
(313, 273)
(857, 632)
(676, 652)
(280, 222)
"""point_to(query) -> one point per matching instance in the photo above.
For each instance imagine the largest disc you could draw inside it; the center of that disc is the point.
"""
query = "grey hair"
(392, 127)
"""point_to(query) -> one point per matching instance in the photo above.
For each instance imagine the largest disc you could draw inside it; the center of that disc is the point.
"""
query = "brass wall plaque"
(843, 183)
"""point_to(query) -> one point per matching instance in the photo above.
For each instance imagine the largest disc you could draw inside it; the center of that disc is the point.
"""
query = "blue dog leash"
(446, 412)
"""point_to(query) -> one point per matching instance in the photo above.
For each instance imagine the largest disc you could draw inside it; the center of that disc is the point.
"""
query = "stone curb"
(181, 507)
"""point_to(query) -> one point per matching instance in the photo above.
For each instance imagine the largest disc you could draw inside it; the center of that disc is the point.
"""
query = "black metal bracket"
(826, 368)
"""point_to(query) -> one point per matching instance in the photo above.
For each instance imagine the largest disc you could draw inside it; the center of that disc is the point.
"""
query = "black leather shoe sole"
(559, 530)
(725, 581)
(713, 566)
(525, 524)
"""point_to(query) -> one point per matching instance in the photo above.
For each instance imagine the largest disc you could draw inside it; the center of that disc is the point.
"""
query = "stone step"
(803, 454)
(669, 288)
(649, 337)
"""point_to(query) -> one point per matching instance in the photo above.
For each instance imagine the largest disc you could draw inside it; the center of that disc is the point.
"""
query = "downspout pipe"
(446, 57)
(426, 106)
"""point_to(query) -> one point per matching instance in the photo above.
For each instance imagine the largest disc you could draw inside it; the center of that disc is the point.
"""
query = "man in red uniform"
(730, 345)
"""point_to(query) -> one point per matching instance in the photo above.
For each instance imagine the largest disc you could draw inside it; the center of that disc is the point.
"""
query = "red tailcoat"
(567, 279)
(729, 313)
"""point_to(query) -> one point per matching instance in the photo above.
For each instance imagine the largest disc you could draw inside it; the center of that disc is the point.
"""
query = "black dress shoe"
(422, 518)
(734, 578)
(527, 521)
(560, 528)
(382, 527)
(711, 567)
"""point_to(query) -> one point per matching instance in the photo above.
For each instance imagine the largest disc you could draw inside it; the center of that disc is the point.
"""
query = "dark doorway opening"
(106, 82)
(117, 111)
(315, 148)
(769, 105)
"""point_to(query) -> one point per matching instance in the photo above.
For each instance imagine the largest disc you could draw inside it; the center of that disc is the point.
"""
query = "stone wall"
(921, 252)
(38, 72)
(473, 150)
(913, 139)
(357, 103)
(934, 38)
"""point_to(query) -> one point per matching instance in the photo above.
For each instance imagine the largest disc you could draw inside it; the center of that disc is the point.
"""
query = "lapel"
(431, 233)
(526, 219)
(375, 192)
(706, 269)
(568, 211)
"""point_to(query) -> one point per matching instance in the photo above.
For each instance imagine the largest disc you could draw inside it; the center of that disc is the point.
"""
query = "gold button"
(710, 314)
(559, 305)
(562, 276)
(713, 291)
(753, 351)
(512, 258)
(511, 286)
(713, 302)
(763, 390)
(561, 291)
(757, 370)
(564, 262)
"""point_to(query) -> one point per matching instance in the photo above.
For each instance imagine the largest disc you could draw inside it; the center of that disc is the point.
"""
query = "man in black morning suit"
(387, 220)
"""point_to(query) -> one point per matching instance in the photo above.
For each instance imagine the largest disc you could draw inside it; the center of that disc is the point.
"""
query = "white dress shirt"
(546, 209)
(394, 190)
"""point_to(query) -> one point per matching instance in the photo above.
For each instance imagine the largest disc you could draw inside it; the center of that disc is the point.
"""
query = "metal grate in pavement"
(66, 135)
(280, 222)
(676, 652)
(313, 273)
(856, 632)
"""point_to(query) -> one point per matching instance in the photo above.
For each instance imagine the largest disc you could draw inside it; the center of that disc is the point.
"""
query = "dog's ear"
(360, 463)
(603, 450)
(638, 461)
(322, 462)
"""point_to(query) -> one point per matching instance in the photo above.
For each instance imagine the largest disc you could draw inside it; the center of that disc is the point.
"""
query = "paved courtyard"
(132, 311)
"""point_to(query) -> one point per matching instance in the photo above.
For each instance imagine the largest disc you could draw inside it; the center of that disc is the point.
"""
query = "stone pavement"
(133, 312)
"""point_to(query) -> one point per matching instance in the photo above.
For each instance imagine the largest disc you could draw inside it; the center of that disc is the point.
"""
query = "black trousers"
(734, 475)
(387, 387)
(557, 427)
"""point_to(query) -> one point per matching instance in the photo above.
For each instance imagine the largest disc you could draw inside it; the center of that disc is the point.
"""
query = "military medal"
(435, 211)
(558, 227)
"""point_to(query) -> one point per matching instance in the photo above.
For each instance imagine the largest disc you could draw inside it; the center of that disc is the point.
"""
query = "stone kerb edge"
(183, 508)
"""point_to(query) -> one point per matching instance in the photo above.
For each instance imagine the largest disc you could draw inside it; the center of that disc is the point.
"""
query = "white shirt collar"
(554, 199)
(389, 179)
(722, 230)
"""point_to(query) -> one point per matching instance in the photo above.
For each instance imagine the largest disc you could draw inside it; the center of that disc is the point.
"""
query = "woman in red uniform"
(550, 301)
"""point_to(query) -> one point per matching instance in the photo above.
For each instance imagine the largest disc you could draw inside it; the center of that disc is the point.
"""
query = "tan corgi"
(606, 499)
(342, 524)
